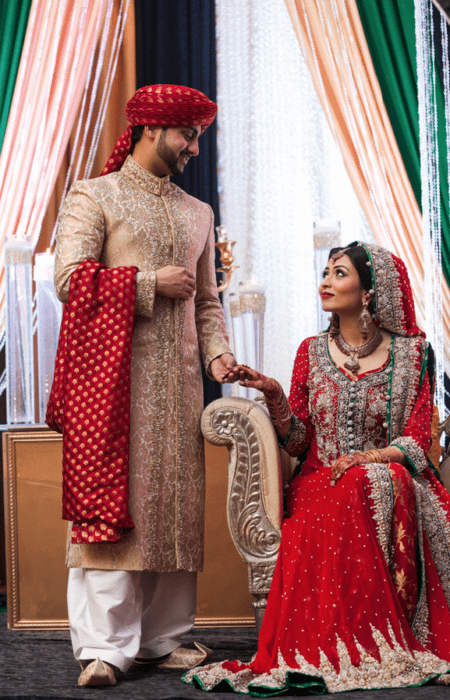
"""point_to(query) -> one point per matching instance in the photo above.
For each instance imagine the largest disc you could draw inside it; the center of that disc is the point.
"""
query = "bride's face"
(341, 290)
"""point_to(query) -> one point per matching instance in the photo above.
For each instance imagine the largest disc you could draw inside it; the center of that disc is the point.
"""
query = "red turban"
(161, 105)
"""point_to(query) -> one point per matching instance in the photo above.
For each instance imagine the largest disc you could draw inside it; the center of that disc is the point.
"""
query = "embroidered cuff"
(145, 293)
(278, 405)
(294, 442)
(415, 456)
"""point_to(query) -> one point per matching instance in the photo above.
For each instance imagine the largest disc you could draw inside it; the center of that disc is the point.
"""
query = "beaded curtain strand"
(429, 155)
(446, 87)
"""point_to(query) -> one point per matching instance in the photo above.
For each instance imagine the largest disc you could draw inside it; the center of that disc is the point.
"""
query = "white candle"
(221, 233)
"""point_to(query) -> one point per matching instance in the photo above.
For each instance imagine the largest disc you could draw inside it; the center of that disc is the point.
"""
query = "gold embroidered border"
(421, 622)
(437, 529)
(398, 668)
(383, 498)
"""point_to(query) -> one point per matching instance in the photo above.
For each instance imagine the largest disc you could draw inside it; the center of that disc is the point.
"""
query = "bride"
(361, 590)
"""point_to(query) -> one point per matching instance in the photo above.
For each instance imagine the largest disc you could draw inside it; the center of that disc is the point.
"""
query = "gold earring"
(365, 317)
(334, 325)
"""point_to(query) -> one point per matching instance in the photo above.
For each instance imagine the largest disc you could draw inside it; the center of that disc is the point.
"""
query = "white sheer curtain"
(280, 169)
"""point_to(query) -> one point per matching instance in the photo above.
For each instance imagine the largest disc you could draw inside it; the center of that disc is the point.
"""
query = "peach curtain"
(115, 123)
(332, 39)
(63, 40)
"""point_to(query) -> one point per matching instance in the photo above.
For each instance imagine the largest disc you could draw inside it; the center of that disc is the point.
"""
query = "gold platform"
(36, 536)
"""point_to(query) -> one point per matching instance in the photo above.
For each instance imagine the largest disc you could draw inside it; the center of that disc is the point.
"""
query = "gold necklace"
(354, 352)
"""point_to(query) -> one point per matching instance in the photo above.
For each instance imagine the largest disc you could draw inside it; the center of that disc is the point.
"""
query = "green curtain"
(390, 33)
(13, 23)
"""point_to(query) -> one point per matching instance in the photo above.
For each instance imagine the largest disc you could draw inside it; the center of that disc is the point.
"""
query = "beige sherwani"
(134, 218)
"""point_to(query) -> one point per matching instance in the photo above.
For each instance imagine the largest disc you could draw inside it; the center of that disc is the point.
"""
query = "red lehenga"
(361, 591)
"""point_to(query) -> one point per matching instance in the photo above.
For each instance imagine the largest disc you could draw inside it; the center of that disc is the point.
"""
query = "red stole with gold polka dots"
(90, 400)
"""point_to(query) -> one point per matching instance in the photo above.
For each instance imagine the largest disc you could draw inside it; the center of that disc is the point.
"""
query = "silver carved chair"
(257, 470)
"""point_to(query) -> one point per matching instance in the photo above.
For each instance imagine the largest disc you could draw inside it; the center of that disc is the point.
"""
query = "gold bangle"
(374, 456)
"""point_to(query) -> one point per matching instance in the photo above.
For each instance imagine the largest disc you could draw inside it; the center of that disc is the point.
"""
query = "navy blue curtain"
(176, 44)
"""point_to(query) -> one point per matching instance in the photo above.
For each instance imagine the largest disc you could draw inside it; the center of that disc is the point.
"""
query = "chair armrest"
(255, 493)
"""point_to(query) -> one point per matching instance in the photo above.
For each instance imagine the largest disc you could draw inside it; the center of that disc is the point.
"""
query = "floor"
(38, 665)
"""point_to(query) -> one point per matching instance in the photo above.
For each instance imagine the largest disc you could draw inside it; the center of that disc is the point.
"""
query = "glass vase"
(19, 333)
(49, 315)
(327, 235)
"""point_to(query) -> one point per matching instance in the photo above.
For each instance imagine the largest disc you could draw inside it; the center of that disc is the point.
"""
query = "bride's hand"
(253, 379)
(237, 373)
(345, 462)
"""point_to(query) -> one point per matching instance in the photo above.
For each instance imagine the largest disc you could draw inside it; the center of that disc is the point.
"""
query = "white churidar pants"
(121, 615)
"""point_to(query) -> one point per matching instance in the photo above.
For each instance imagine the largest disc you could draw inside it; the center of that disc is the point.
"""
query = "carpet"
(38, 665)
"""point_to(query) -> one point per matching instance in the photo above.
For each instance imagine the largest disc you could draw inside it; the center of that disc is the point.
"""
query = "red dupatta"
(90, 400)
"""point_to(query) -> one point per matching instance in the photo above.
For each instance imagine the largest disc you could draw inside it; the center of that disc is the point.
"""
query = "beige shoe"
(97, 673)
(443, 679)
(149, 663)
(183, 658)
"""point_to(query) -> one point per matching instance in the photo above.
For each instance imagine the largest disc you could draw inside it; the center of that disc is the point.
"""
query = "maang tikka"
(365, 317)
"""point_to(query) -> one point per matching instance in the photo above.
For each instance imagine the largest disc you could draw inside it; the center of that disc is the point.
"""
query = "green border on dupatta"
(388, 417)
(372, 276)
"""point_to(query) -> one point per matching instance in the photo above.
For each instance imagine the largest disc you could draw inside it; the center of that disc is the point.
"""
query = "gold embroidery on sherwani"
(134, 218)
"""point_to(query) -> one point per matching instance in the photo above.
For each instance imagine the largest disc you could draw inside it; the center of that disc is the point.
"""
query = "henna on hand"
(375, 456)
(276, 400)
(341, 465)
